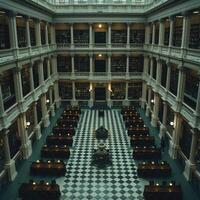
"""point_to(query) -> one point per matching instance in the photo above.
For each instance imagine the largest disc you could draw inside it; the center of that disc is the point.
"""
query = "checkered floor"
(84, 180)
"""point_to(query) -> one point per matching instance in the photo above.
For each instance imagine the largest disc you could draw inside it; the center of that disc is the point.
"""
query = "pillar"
(109, 102)
(90, 103)
(148, 103)
(91, 64)
(158, 72)
(72, 62)
(128, 36)
(28, 39)
(12, 30)
(91, 34)
(45, 115)
(186, 31)
(144, 94)
(174, 143)
(147, 33)
(190, 164)
(197, 110)
(109, 34)
(164, 120)
(53, 34)
(37, 128)
(127, 65)
(31, 76)
(109, 65)
(9, 163)
(146, 65)
(171, 31)
(154, 118)
(126, 101)
(46, 34)
(168, 77)
(18, 85)
(52, 108)
(41, 71)
(26, 146)
(48, 67)
(56, 95)
(153, 33)
(1, 101)
(38, 33)
(72, 35)
(74, 102)
(161, 32)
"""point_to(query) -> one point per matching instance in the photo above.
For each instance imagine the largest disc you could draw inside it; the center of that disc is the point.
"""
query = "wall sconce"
(196, 12)
(28, 124)
(100, 25)
(100, 55)
(90, 89)
(47, 101)
(109, 88)
(152, 100)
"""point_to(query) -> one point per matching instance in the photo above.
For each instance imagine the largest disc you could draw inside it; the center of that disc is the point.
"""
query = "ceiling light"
(179, 16)
(100, 25)
(100, 55)
(196, 12)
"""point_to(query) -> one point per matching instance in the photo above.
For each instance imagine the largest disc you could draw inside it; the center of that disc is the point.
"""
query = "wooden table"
(55, 152)
(37, 191)
(153, 169)
(46, 168)
(59, 140)
(146, 153)
(141, 140)
(153, 192)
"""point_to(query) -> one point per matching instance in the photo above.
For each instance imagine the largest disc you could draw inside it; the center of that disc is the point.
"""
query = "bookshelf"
(65, 90)
(118, 36)
(4, 37)
(32, 36)
(195, 36)
(134, 90)
(81, 36)
(137, 36)
(100, 37)
(63, 37)
(177, 36)
(82, 91)
(118, 64)
(21, 35)
(35, 76)
(136, 64)
(81, 64)
(43, 36)
(166, 36)
(118, 91)
(64, 64)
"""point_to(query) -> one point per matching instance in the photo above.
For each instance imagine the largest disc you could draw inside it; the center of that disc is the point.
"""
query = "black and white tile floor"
(85, 181)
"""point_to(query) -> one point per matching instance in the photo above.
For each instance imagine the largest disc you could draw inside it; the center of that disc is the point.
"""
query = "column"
(90, 103)
(91, 64)
(52, 108)
(48, 67)
(153, 33)
(46, 34)
(171, 31)
(56, 95)
(147, 33)
(154, 118)
(146, 65)
(181, 86)
(109, 102)
(144, 94)
(41, 72)
(72, 61)
(37, 128)
(109, 34)
(127, 65)
(128, 36)
(190, 164)
(12, 30)
(53, 34)
(1, 101)
(109, 65)
(168, 76)
(126, 101)
(45, 115)
(72, 35)
(164, 120)
(161, 32)
(26, 146)
(28, 39)
(158, 72)
(151, 67)
(74, 102)
(174, 143)
(91, 34)
(9, 163)
(197, 110)
(186, 31)
(18, 85)
(148, 103)
(31, 76)
(54, 66)
(38, 33)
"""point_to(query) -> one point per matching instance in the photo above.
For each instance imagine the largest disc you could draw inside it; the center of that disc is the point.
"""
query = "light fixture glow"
(172, 123)
(100, 25)
(179, 16)
(196, 12)
(152, 100)
(47, 101)
(28, 123)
